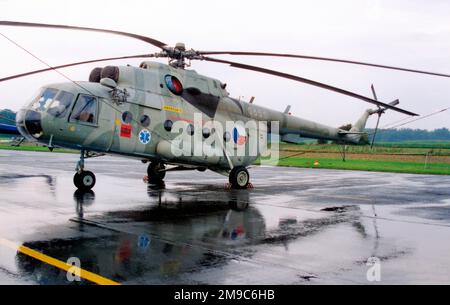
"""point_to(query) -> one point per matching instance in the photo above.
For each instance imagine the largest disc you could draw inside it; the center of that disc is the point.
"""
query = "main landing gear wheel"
(155, 172)
(84, 180)
(239, 177)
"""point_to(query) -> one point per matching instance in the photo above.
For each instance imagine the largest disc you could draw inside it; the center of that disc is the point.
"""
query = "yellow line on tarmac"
(95, 278)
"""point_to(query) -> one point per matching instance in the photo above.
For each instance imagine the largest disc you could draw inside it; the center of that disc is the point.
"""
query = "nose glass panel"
(33, 123)
(44, 100)
(29, 124)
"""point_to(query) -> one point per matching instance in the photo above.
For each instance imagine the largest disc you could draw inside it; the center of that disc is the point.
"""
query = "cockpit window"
(44, 99)
(85, 109)
(60, 104)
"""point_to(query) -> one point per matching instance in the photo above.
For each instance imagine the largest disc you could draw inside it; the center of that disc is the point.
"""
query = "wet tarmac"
(297, 226)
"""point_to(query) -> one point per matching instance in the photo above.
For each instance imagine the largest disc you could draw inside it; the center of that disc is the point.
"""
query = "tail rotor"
(380, 111)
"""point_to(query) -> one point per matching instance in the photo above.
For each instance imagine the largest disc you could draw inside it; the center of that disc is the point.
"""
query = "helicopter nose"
(28, 123)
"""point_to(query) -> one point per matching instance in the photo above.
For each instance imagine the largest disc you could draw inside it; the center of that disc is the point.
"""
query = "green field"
(418, 158)
(35, 148)
(412, 147)
(368, 165)
(416, 144)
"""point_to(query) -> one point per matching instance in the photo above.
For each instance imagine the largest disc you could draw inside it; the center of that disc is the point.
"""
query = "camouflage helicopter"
(134, 111)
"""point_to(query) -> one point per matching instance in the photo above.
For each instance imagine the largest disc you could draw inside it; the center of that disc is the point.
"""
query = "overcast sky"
(413, 33)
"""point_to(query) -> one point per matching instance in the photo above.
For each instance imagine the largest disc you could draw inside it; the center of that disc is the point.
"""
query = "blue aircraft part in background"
(8, 129)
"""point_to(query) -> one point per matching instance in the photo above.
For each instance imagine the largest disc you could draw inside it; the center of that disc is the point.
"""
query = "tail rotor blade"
(394, 103)
(376, 129)
(374, 93)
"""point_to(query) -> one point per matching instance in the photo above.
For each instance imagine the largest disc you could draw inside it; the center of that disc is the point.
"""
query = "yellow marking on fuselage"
(172, 109)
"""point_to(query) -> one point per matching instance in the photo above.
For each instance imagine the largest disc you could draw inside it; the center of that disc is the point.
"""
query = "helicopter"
(143, 112)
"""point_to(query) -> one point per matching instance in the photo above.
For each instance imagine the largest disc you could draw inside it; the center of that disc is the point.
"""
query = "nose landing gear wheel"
(84, 180)
(239, 177)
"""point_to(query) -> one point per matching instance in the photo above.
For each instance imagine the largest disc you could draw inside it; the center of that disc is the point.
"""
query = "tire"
(239, 177)
(154, 173)
(84, 181)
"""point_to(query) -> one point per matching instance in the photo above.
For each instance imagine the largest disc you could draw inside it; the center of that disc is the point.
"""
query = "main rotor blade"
(310, 82)
(322, 59)
(71, 65)
(149, 40)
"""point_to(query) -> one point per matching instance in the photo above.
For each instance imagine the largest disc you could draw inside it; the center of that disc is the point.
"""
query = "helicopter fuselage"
(135, 114)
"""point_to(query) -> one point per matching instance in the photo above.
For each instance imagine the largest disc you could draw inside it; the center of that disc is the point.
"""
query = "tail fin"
(356, 132)
(361, 123)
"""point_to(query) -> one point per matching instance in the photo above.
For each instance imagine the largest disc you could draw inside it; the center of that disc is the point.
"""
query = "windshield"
(44, 99)
(61, 104)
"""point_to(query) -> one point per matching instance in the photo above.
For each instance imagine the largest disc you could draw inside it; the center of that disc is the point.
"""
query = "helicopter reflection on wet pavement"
(295, 226)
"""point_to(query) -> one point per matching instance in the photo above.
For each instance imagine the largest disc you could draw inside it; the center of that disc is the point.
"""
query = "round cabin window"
(168, 125)
(206, 133)
(127, 117)
(145, 120)
(190, 129)
(226, 136)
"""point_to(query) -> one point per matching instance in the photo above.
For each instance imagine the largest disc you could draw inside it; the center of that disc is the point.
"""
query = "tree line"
(7, 117)
(408, 134)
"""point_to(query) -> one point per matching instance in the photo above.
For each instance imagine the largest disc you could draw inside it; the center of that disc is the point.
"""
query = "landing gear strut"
(156, 172)
(83, 180)
(239, 177)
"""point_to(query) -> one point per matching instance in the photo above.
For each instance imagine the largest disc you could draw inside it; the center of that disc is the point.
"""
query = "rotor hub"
(178, 56)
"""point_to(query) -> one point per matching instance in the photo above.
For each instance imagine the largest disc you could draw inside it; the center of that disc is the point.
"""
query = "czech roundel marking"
(239, 135)
(145, 136)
